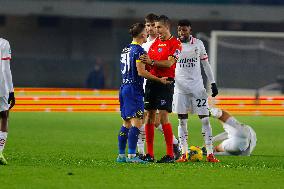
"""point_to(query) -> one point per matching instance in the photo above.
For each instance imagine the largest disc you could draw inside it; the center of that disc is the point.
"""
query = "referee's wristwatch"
(152, 62)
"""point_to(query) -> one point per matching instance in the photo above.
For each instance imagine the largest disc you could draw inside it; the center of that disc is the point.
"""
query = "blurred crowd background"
(77, 43)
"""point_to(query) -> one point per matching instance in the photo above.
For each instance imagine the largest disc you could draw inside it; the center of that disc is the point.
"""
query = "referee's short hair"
(136, 29)
(165, 20)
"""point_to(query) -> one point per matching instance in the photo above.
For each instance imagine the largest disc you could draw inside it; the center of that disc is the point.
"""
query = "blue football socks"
(132, 139)
(122, 139)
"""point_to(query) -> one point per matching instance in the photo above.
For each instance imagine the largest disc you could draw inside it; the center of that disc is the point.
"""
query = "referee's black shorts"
(159, 96)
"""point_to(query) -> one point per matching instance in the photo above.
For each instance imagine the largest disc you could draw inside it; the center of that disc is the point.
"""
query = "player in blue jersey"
(131, 93)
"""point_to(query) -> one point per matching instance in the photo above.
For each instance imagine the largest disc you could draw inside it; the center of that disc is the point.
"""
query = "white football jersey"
(146, 46)
(243, 132)
(6, 84)
(188, 78)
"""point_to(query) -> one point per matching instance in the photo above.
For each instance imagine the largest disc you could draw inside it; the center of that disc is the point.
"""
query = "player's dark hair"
(151, 18)
(136, 29)
(184, 22)
(164, 19)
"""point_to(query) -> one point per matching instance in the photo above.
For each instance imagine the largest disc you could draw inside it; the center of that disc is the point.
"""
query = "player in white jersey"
(189, 92)
(152, 35)
(7, 99)
(238, 139)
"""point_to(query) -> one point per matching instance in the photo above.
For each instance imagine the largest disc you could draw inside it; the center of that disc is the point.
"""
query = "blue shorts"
(131, 102)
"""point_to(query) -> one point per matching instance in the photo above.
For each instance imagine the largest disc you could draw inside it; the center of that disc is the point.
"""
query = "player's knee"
(127, 123)
(151, 117)
(219, 148)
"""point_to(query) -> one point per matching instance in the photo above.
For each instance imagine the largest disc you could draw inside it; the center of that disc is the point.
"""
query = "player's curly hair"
(164, 19)
(184, 22)
(151, 18)
(136, 29)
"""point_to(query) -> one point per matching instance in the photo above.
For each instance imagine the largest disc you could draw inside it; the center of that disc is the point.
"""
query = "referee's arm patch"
(172, 57)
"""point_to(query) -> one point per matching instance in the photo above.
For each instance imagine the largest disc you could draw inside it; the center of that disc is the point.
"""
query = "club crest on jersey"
(163, 102)
(177, 52)
(160, 49)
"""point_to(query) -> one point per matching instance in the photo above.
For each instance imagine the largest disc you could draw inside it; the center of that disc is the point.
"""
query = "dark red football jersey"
(161, 50)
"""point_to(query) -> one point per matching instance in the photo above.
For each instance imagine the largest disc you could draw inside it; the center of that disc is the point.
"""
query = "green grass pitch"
(78, 150)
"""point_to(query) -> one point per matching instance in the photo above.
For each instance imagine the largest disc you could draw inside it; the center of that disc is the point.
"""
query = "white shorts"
(4, 103)
(235, 145)
(193, 103)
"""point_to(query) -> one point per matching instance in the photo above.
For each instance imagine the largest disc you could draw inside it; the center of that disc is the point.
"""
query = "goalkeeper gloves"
(214, 89)
(11, 99)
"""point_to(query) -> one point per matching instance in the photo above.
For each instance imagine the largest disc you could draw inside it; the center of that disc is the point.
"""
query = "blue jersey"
(131, 90)
(129, 56)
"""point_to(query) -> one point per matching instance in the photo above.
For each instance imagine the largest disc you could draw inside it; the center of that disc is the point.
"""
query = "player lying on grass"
(7, 99)
(131, 93)
(238, 138)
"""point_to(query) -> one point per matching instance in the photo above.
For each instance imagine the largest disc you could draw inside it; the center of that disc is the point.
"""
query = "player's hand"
(145, 59)
(214, 89)
(165, 80)
(11, 100)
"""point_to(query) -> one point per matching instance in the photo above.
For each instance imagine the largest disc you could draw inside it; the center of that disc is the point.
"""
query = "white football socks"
(160, 128)
(3, 138)
(207, 134)
(183, 135)
(141, 140)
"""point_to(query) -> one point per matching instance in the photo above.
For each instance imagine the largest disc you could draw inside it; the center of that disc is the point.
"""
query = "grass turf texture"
(78, 150)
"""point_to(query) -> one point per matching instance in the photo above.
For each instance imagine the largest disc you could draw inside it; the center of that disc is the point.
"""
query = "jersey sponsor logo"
(162, 45)
(160, 49)
(188, 60)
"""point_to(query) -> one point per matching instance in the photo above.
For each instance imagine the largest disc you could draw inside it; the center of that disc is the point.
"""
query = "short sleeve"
(175, 49)
(140, 51)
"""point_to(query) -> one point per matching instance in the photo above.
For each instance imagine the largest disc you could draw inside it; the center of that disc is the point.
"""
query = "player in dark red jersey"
(162, 57)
